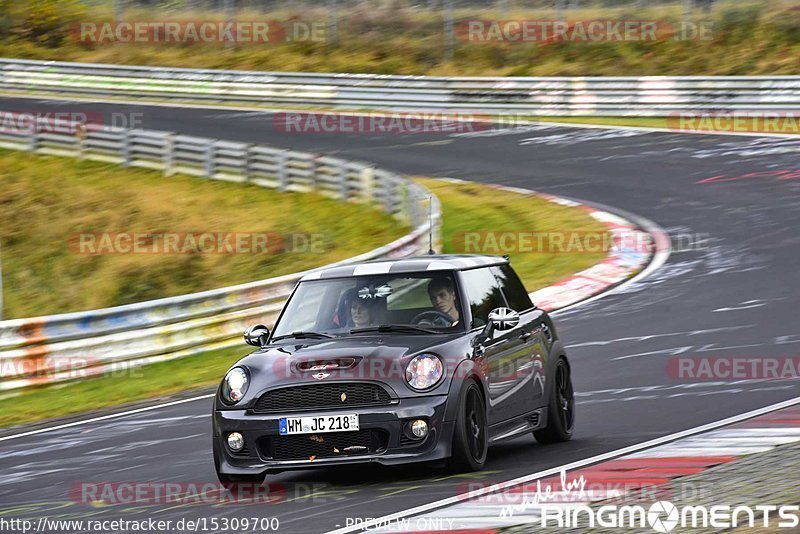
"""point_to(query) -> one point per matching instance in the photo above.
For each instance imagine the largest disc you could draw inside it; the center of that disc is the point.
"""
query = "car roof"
(415, 264)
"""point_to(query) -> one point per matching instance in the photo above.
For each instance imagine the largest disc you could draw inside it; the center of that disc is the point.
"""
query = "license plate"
(315, 425)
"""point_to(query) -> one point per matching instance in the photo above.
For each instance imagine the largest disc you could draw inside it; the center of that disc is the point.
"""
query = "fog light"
(235, 441)
(419, 428)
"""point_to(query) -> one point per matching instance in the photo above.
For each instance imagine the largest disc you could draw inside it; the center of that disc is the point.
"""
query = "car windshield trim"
(389, 300)
(314, 335)
(406, 328)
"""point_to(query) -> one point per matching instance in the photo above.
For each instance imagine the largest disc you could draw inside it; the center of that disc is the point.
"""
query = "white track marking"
(252, 109)
(566, 467)
(105, 417)
(659, 258)
(663, 251)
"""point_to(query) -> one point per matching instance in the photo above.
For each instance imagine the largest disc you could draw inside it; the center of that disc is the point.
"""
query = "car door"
(533, 326)
(505, 357)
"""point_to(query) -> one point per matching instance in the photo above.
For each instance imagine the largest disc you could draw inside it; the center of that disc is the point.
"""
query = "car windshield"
(408, 303)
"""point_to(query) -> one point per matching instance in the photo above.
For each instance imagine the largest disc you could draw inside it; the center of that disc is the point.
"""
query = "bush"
(44, 22)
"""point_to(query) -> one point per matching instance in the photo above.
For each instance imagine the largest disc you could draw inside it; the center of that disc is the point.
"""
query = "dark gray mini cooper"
(418, 359)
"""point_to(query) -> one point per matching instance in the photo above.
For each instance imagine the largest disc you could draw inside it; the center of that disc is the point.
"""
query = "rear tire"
(470, 437)
(560, 409)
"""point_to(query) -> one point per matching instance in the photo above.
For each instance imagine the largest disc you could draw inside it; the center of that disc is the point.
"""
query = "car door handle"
(524, 336)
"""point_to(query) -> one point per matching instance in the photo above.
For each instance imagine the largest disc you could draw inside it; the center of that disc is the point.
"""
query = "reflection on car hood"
(363, 357)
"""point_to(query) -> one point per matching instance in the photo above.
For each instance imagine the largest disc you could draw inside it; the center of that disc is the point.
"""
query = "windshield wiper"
(394, 328)
(310, 335)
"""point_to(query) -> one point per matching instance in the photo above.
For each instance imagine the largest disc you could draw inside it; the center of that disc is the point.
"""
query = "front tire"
(561, 408)
(471, 437)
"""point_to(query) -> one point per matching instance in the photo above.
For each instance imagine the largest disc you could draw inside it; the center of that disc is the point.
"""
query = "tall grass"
(397, 37)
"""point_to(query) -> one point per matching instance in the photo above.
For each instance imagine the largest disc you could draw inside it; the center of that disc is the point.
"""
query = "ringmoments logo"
(664, 516)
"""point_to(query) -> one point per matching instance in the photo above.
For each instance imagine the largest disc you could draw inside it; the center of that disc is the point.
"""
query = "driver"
(360, 313)
(443, 297)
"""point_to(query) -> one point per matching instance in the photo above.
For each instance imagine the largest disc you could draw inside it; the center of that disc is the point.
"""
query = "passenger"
(443, 297)
(360, 314)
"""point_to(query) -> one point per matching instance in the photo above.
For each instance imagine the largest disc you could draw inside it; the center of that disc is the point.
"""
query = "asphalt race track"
(733, 295)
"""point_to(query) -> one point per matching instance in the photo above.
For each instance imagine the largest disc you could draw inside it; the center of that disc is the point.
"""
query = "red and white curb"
(652, 474)
(633, 249)
(622, 265)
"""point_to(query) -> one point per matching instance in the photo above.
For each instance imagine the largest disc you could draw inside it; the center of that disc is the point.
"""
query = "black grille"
(406, 441)
(328, 445)
(321, 397)
(244, 452)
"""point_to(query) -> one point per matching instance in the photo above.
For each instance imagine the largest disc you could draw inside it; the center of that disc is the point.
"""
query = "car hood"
(381, 358)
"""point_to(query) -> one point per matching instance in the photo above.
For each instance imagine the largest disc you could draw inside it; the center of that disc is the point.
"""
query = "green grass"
(45, 201)
(138, 383)
(468, 207)
(465, 206)
(749, 38)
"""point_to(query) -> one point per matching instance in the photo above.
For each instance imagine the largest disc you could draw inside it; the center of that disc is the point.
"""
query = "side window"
(483, 292)
(514, 291)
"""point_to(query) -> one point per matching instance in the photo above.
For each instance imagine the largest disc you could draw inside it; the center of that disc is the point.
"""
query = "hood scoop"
(315, 366)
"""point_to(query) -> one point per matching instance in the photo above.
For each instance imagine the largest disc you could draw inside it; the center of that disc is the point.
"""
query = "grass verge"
(47, 204)
(740, 37)
(466, 207)
(488, 213)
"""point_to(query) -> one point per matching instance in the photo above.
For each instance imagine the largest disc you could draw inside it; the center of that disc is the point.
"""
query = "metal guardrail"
(622, 96)
(76, 345)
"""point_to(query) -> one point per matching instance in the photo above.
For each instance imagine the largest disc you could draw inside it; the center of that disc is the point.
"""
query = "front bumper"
(260, 432)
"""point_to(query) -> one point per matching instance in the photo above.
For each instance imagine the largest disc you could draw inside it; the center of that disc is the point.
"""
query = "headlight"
(235, 384)
(424, 371)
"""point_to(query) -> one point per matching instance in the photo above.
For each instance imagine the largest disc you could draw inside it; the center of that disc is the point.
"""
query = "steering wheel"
(433, 318)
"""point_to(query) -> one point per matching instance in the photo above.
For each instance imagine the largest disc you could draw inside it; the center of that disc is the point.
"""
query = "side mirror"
(500, 319)
(503, 319)
(256, 335)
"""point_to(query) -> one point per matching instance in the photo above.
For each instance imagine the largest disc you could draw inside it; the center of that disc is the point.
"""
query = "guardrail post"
(80, 139)
(367, 175)
(126, 148)
(413, 207)
(1, 287)
(688, 7)
(314, 171)
(209, 162)
(344, 190)
(449, 33)
(389, 198)
(246, 163)
(283, 170)
(560, 7)
(33, 141)
(333, 20)
(169, 155)
(405, 201)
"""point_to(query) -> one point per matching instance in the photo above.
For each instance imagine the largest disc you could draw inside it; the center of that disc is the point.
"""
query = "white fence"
(75, 345)
(622, 96)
